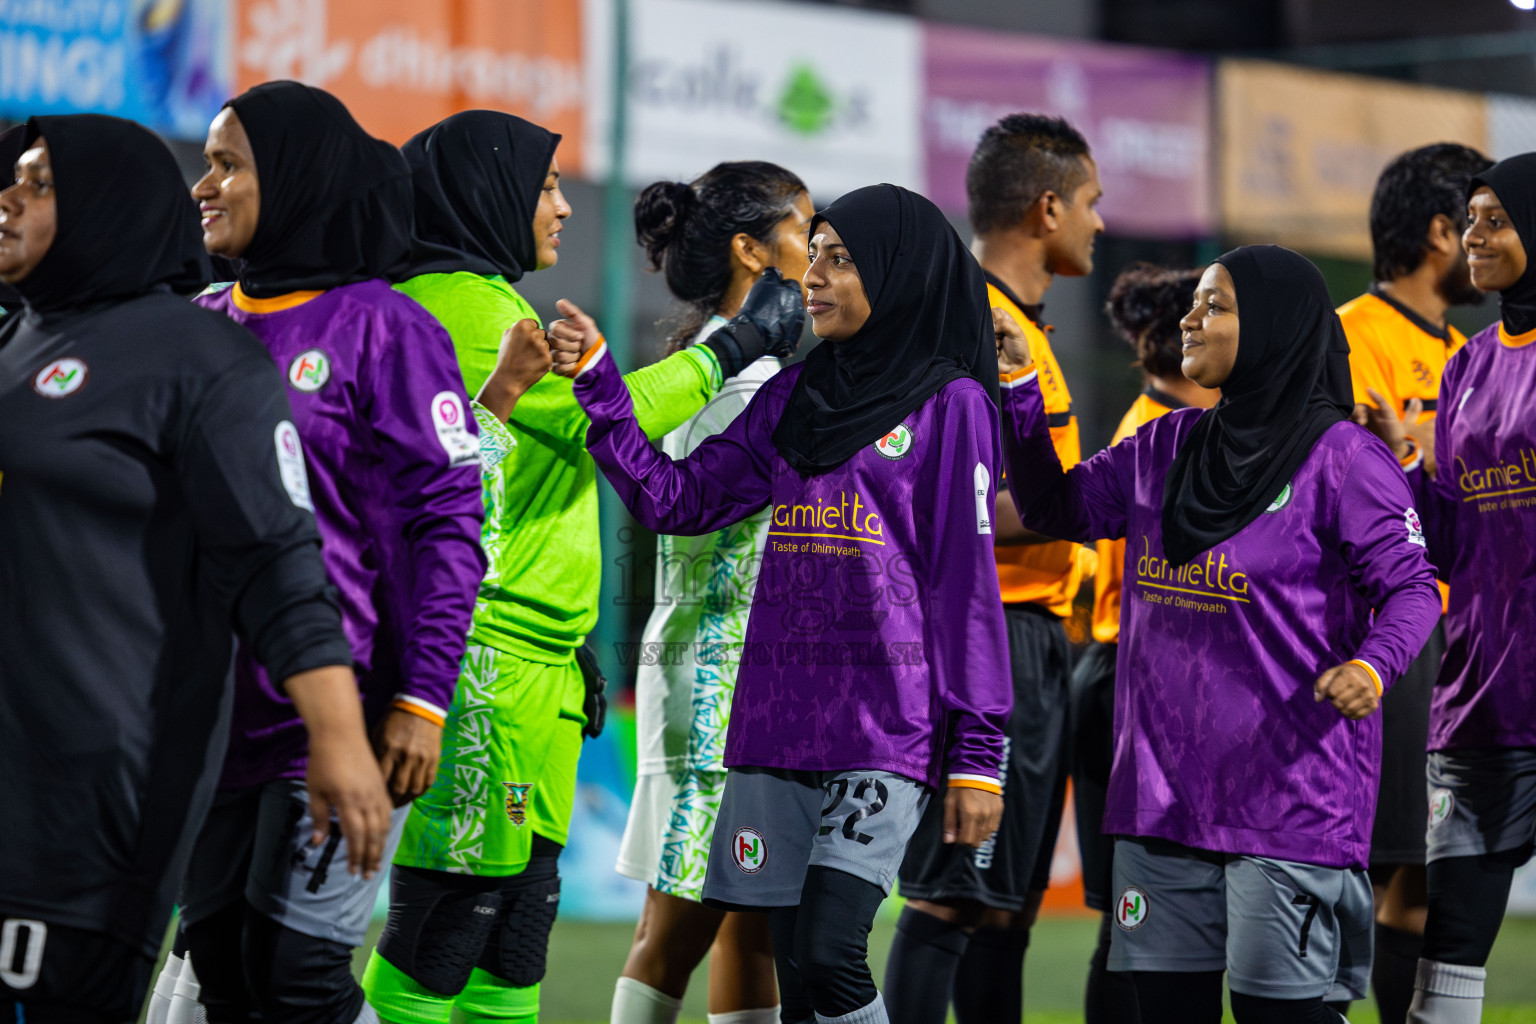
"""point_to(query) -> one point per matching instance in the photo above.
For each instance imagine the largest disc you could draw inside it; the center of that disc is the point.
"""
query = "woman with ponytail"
(713, 240)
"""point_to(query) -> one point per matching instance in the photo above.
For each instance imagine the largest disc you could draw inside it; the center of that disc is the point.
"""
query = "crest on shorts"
(749, 850)
(1441, 802)
(1131, 908)
(517, 801)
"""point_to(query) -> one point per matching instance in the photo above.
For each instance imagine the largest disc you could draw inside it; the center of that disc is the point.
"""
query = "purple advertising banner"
(1146, 114)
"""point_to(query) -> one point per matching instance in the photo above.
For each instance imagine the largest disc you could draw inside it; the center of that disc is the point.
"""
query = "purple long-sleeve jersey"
(876, 638)
(393, 476)
(1480, 516)
(1219, 742)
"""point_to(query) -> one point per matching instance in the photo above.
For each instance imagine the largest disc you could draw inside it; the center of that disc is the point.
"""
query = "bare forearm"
(1010, 529)
(326, 698)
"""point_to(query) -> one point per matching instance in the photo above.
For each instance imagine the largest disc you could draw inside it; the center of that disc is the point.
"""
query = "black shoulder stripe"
(1059, 419)
(1430, 404)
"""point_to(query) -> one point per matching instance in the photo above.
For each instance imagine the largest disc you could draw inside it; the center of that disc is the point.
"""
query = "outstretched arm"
(725, 479)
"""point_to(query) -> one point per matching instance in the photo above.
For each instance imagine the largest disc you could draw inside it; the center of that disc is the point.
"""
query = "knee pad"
(519, 946)
(298, 978)
(438, 926)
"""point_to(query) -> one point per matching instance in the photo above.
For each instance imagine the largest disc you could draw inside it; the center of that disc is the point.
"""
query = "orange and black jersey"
(1397, 353)
(1149, 405)
(1043, 574)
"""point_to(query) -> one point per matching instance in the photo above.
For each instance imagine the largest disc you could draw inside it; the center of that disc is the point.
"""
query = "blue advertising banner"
(160, 62)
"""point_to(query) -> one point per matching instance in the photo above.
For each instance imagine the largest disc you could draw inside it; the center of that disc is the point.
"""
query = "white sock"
(874, 1013)
(635, 1002)
(184, 1008)
(366, 1015)
(1447, 994)
(762, 1015)
(165, 987)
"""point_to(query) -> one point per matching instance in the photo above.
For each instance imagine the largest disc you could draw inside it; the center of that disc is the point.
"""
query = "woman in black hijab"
(319, 214)
(1262, 534)
(147, 515)
(10, 149)
(877, 455)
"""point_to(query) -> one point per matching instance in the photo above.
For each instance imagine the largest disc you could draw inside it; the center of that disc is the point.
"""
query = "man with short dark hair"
(1032, 186)
(1399, 344)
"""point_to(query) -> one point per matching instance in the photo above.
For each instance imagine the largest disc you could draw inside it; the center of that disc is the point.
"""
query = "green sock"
(489, 998)
(400, 999)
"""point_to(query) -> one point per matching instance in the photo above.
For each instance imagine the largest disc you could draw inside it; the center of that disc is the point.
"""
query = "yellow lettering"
(778, 511)
(1239, 589)
(802, 515)
(872, 530)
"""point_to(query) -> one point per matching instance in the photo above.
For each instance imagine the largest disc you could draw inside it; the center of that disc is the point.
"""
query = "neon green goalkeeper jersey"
(539, 597)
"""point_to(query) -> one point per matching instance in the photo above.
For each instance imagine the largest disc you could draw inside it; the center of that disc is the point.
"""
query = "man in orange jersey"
(1399, 344)
(1145, 305)
(1032, 186)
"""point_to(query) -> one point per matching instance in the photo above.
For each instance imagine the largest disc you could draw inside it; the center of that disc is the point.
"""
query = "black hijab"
(126, 223)
(1290, 384)
(477, 178)
(10, 152)
(1513, 181)
(929, 323)
(335, 201)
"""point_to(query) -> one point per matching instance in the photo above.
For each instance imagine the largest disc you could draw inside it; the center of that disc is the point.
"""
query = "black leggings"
(1167, 997)
(1467, 898)
(822, 946)
(252, 968)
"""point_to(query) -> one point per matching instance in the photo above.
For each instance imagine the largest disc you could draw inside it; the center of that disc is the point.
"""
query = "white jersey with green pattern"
(692, 642)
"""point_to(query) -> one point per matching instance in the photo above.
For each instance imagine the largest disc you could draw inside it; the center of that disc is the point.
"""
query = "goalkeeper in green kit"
(475, 886)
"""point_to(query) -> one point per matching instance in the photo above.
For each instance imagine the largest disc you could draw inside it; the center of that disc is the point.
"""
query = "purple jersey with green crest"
(1219, 742)
(876, 638)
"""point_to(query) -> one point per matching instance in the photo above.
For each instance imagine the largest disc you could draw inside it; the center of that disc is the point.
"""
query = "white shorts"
(671, 822)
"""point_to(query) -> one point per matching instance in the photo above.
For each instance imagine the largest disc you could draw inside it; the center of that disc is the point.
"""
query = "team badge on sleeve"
(1281, 500)
(1131, 909)
(517, 801)
(290, 464)
(452, 432)
(1415, 528)
(60, 378)
(897, 443)
(749, 850)
(309, 371)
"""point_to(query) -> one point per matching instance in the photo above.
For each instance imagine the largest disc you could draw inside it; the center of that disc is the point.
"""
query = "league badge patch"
(749, 850)
(60, 378)
(1131, 909)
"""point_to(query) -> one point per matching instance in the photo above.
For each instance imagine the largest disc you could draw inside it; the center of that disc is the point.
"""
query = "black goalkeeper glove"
(768, 325)
(595, 706)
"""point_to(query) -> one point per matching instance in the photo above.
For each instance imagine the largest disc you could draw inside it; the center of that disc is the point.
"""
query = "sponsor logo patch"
(290, 464)
(309, 371)
(749, 850)
(982, 478)
(897, 443)
(453, 434)
(517, 801)
(1415, 528)
(1441, 802)
(1281, 501)
(1131, 908)
(60, 378)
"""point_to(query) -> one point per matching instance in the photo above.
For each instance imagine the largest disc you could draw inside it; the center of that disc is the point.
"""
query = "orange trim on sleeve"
(1369, 671)
(276, 304)
(591, 353)
(985, 787)
(420, 712)
(1019, 374)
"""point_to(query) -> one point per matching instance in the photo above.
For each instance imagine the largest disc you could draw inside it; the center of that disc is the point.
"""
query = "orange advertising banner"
(403, 65)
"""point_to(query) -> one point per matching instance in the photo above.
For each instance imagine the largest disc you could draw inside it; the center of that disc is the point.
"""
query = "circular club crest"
(1441, 802)
(749, 850)
(1281, 501)
(60, 378)
(897, 443)
(309, 371)
(1131, 908)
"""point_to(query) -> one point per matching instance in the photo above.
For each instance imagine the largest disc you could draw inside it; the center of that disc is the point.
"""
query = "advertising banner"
(829, 93)
(1301, 149)
(159, 62)
(1145, 113)
(402, 65)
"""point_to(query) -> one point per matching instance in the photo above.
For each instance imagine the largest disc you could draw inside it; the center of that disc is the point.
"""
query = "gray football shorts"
(1281, 930)
(255, 846)
(774, 823)
(1481, 801)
